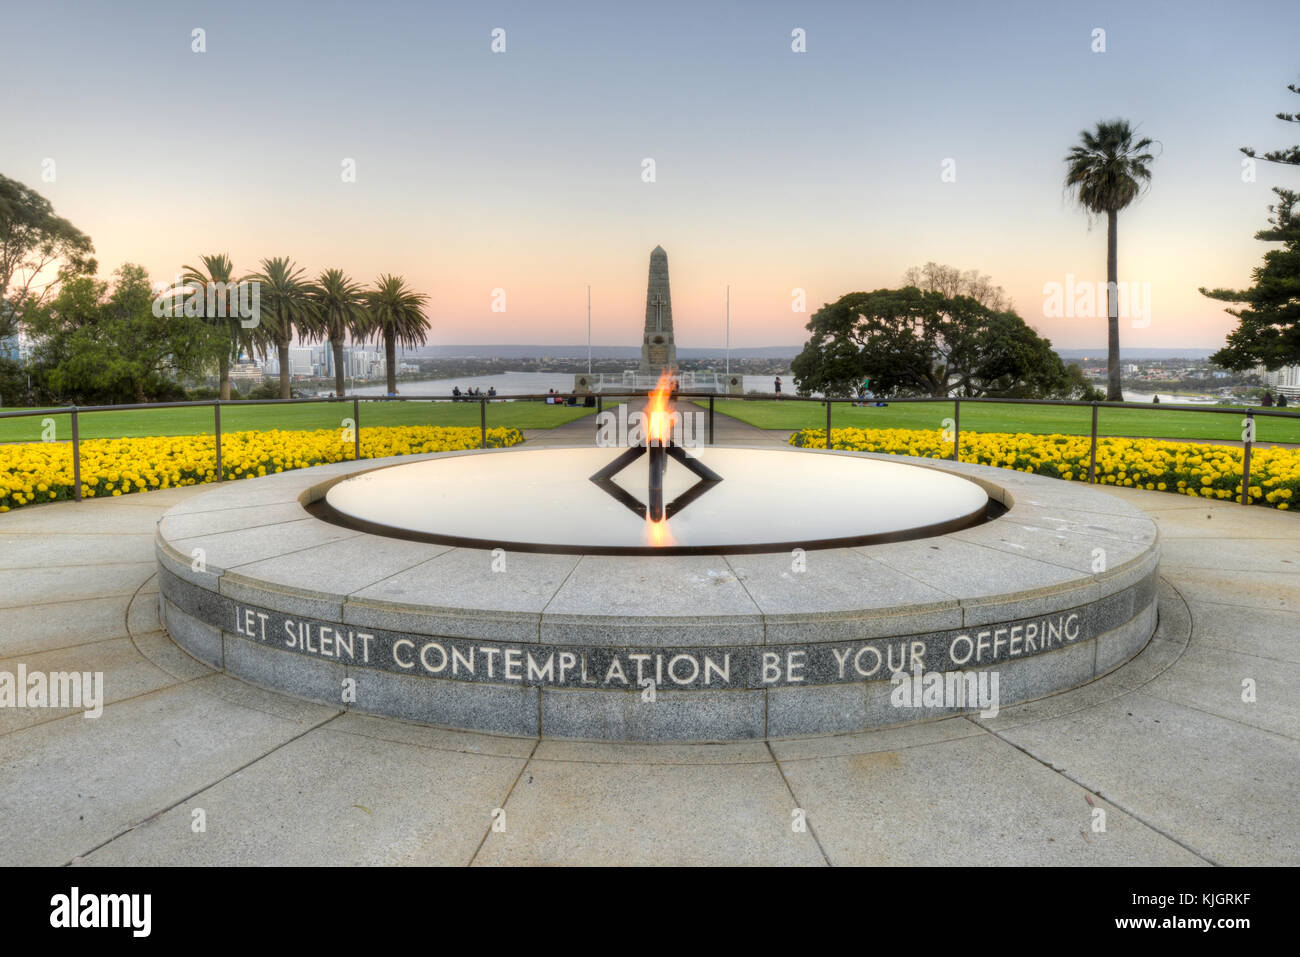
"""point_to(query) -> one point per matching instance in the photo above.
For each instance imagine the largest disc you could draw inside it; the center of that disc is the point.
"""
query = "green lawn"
(316, 415)
(766, 414)
(991, 417)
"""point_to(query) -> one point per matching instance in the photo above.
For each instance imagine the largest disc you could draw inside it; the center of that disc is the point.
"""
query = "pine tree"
(1268, 332)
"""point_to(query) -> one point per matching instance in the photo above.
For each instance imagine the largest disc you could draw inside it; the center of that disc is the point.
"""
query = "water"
(537, 383)
(1171, 399)
(527, 383)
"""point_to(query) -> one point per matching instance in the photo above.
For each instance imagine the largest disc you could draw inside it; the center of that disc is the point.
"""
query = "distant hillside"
(597, 352)
(511, 351)
(1135, 354)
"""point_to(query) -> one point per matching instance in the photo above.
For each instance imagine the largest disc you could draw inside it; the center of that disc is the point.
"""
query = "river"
(526, 383)
(537, 383)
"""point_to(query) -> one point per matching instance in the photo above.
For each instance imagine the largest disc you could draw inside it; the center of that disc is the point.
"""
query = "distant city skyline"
(775, 171)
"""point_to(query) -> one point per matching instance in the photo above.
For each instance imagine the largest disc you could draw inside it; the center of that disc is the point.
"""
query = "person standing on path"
(778, 385)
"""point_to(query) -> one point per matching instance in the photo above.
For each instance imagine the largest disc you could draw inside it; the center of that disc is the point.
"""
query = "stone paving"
(1185, 770)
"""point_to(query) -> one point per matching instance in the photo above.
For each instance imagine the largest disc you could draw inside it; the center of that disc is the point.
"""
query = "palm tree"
(217, 269)
(340, 313)
(1107, 171)
(288, 309)
(396, 315)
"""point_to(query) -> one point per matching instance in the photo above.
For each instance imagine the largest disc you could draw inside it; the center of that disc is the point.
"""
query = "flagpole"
(588, 330)
(728, 330)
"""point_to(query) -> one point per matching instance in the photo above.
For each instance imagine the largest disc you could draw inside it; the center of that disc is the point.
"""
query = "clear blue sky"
(775, 170)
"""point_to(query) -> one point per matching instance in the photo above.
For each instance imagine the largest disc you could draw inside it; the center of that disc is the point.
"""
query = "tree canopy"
(912, 342)
(288, 310)
(102, 343)
(1106, 171)
(1268, 333)
(32, 242)
(395, 315)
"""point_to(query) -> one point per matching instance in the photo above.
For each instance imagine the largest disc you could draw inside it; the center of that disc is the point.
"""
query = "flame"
(659, 428)
(659, 424)
(657, 533)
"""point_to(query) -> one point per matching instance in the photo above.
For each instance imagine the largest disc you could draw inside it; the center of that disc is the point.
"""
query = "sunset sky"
(775, 170)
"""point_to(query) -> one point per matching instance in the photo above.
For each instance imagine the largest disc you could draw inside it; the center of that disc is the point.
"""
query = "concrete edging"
(550, 644)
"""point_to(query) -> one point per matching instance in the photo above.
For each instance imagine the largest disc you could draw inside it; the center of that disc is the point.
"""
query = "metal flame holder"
(654, 509)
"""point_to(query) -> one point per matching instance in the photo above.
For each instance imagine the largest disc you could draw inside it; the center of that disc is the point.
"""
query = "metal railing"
(1248, 422)
(687, 380)
(571, 399)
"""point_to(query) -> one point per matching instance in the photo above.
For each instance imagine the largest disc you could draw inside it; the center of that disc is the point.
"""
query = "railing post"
(956, 429)
(829, 405)
(1248, 439)
(710, 419)
(356, 428)
(76, 457)
(216, 432)
(1092, 456)
(482, 423)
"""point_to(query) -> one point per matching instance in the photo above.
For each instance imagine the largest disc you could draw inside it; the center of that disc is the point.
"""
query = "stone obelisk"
(658, 351)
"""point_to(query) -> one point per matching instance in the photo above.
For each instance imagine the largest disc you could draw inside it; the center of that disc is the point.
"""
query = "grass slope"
(320, 415)
(1038, 420)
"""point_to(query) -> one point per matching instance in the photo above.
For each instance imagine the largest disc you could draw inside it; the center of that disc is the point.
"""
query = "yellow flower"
(123, 466)
(1206, 471)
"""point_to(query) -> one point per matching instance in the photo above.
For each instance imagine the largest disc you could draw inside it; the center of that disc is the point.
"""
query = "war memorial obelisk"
(658, 351)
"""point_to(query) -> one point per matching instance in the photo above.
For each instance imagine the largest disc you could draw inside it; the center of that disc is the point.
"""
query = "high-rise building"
(300, 361)
(1285, 380)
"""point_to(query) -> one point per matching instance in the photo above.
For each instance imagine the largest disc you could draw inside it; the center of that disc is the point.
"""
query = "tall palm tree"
(217, 268)
(1107, 171)
(288, 309)
(340, 313)
(395, 314)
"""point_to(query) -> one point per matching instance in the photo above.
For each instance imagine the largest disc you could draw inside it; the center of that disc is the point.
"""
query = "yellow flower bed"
(42, 471)
(1206, 471)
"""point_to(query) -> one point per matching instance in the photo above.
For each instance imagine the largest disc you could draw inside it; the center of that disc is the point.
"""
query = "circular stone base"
(1057, 591)
(592, 501)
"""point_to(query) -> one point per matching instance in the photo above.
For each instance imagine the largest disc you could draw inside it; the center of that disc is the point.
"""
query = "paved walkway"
(1185, 771)
(726, 430)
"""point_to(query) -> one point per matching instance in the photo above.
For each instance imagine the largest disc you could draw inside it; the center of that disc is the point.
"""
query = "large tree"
(395, 314)
(340, 303)
(217, 271)
(1107, 171)
(97, 342)
(951, 281)
(1268, 333)
(34, 241)
(288, 310)
(913, 342)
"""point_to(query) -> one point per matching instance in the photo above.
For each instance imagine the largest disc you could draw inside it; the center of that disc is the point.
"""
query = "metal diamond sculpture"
(654, 509)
